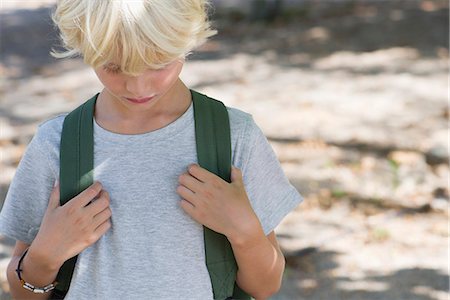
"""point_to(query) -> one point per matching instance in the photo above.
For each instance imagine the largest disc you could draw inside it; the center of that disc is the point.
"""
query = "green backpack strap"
(213, 141)
(76, 172)
(212, 135)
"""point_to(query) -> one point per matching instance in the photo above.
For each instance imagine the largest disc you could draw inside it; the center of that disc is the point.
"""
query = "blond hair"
(137, 34)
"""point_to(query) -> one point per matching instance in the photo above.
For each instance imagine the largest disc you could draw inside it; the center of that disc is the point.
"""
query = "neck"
(113, 115)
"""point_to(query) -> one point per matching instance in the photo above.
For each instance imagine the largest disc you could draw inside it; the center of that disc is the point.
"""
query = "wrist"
(39, 258)
(29, 286)
(247, 235)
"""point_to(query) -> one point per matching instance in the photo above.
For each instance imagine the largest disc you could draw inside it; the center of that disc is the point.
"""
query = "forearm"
(34, 271)
(260, 264)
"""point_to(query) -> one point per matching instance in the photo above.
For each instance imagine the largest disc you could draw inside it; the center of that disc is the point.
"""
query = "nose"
(138, 86)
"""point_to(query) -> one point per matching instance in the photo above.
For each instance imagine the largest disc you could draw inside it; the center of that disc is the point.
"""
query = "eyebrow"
(111, 65)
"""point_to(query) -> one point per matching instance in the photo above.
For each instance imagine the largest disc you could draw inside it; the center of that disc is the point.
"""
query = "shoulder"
(245, 134)
(42, 151)
(48, 137)
(239, 120)
(50, 129)
(242, 126)
(53, 122)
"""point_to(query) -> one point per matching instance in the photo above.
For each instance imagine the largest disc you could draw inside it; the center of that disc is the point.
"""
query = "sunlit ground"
(354, 102)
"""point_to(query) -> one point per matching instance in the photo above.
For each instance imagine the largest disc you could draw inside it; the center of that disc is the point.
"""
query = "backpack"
(213, 142)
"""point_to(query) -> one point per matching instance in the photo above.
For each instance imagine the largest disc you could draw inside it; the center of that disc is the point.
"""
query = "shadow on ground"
(311, 29)
(355, 27)
(309, 275)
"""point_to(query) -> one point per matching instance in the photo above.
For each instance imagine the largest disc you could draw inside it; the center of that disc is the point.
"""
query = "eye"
(112, 68)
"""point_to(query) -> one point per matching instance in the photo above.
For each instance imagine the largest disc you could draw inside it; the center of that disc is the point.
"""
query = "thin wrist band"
(29, 286)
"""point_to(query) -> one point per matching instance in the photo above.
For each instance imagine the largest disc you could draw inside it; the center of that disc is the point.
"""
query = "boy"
(141, 236)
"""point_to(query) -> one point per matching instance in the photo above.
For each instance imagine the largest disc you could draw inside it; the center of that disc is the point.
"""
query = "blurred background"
(352, 96)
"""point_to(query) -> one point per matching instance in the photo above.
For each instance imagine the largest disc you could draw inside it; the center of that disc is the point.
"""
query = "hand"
(69, 229)
(221, 206)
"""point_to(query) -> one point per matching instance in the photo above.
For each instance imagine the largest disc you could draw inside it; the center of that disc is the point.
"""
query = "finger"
(200, 173)
(205, 176)
(103, 228)
(190, 182)
(187, 194)
(101, 217)
(54, 197)
(188, 207)
(87, 195)
(98, 204)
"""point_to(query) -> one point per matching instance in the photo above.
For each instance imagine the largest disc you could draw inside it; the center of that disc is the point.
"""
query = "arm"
(224, 207)
(261, 264)
(35, 271)
(65, 232)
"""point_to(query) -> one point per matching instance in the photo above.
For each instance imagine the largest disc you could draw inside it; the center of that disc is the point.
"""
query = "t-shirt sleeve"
(28, 194)
(271, 194)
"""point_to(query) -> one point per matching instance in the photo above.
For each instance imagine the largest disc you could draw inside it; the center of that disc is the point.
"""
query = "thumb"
(236, 175)
(54, 197)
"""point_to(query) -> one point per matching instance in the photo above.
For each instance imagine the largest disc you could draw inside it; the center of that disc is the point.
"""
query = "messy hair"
(136, 34)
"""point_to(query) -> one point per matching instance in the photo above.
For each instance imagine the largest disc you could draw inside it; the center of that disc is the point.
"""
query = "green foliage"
(379, 234)
(395, 168)
(338, 193)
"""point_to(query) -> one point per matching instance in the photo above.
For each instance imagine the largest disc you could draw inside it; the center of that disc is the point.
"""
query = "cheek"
(111, 82)
(166, 77)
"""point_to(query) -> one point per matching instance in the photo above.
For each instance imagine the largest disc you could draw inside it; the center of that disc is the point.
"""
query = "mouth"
(140, 100)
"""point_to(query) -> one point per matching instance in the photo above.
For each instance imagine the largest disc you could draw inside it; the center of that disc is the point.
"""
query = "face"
(139, 92)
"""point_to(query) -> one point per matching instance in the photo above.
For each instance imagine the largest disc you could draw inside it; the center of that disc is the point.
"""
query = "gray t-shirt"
(154, 250)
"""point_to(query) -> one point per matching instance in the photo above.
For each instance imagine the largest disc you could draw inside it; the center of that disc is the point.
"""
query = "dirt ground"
(352, 96)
